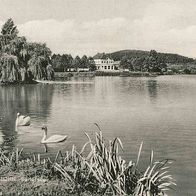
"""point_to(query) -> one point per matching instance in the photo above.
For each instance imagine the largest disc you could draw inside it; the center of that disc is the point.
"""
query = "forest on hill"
(132, 60)
(152, 61)
(167, 57)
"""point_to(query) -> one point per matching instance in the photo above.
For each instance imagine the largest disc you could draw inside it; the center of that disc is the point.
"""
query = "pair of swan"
(22, 120)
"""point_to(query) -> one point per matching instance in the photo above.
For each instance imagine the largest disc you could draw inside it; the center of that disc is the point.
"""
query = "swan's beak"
(44, 128)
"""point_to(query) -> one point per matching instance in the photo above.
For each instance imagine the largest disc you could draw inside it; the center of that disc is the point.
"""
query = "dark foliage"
(21, 61)
(63, 63)
(167, 57)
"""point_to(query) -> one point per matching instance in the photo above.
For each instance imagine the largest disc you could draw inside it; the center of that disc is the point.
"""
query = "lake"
(160, 111)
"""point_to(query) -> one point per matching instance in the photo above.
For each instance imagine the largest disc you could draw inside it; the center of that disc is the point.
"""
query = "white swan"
(53, 138)
(22, 120)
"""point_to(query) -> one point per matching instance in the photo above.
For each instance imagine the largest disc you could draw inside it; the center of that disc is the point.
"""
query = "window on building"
(105, 67)
(108, 67)
(112, 67)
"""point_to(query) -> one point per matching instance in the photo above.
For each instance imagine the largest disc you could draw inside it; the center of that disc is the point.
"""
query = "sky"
(80, 27)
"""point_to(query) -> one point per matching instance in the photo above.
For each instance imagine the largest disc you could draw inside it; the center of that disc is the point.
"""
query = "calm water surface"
(160, 111)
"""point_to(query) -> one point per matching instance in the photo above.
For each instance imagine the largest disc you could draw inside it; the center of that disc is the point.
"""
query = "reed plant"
(97, 169)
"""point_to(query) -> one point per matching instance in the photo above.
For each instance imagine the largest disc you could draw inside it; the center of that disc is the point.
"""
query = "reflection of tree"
(152, 89)
(34, 100)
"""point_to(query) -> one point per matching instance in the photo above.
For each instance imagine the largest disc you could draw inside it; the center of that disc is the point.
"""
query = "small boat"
(53, 138)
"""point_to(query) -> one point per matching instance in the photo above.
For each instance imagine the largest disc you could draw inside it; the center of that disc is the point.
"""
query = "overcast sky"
(91, 26)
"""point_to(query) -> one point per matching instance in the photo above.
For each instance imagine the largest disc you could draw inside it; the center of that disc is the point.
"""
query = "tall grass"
(97, 169)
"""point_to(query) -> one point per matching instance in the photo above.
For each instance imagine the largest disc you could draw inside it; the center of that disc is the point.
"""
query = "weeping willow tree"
(9, 68)
(9, 64)
(36, 67)
(50, 72)
(39, 60)
(21, 61)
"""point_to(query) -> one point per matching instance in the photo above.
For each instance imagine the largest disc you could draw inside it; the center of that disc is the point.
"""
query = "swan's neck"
(16, 124)
(44, 136)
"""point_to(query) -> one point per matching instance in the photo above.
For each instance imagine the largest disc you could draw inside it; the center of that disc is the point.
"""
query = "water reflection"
(159, 111)
(34, 100)
(152, 89)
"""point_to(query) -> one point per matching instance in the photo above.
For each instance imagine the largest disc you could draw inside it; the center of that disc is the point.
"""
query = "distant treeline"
(65, 62)
(22, 61)
(152, 61)
(167, 57)
(132, 60)
(144, 62)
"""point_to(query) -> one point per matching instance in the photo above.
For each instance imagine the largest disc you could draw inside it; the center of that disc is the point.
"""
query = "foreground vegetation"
(98, 169)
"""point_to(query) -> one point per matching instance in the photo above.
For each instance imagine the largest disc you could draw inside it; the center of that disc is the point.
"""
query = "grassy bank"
(97, 169)
(64, 75)
(127, 74)
(104, 73)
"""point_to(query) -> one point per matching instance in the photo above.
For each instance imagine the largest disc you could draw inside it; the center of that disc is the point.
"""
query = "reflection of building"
(106, 64)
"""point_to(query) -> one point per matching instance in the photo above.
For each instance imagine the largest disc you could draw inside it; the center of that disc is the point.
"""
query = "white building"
(83, 69)
(106, 64)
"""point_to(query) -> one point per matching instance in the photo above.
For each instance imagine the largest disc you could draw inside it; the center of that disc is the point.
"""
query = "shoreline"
(60, 75)
(63, 77)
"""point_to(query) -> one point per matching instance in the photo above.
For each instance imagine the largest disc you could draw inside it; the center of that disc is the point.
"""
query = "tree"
(57, 62)
(61, 62)
(76, 63)
(39, 59)
(138, 63)
(9, 32)
(151, 63)
(66, 61)
(9, 62)
(9, 68)
(70, 60)
(18, 47)
(125, 63)
(84, 62)
(18, 57)
(91, 64)
(50, 72)
(9, 28)
(155, 64)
